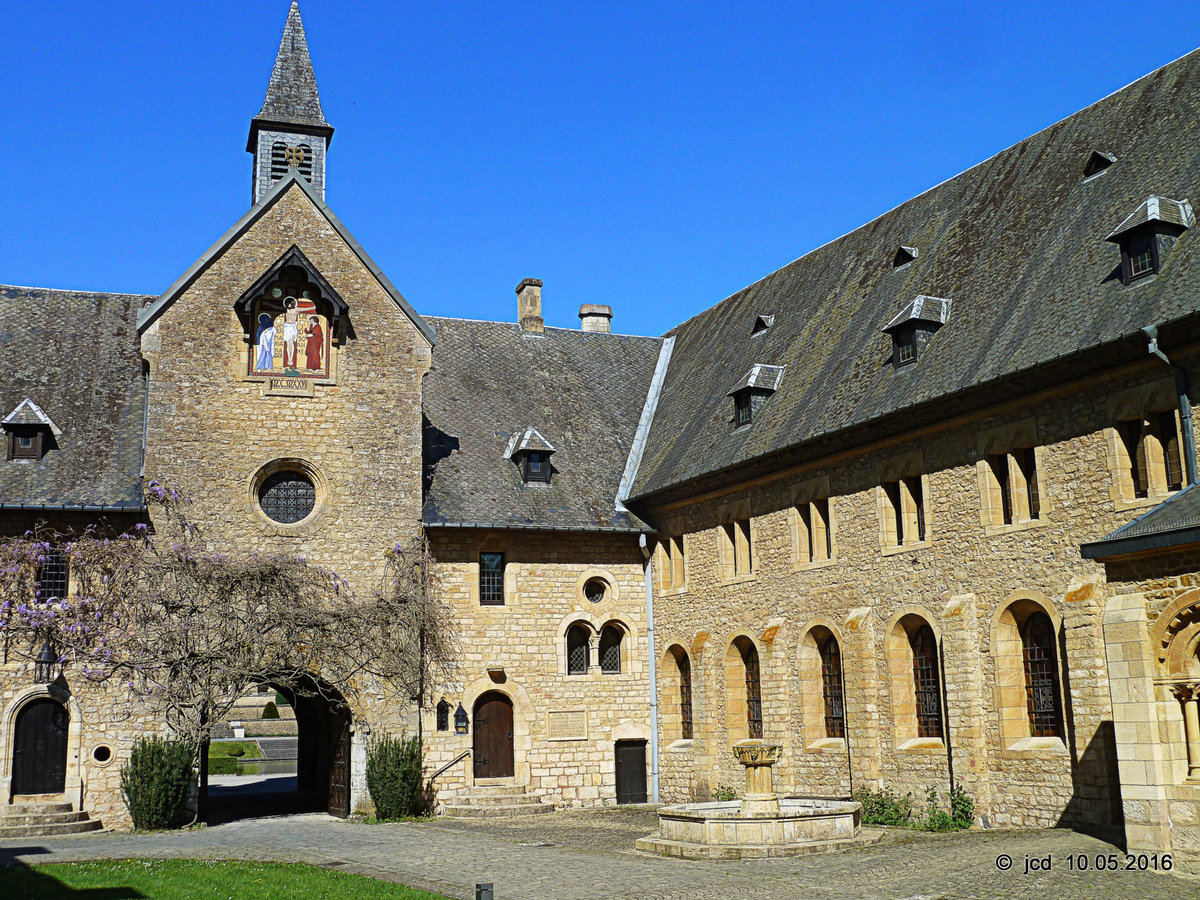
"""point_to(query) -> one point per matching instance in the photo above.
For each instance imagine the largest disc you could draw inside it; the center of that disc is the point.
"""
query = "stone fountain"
(760, 824)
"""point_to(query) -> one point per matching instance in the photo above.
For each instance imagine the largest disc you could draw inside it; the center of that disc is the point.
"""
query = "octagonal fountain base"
(726, 831)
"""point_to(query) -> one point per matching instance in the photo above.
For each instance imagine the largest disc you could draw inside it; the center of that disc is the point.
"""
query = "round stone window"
(596, 589)
(102, 754)
(287, 496)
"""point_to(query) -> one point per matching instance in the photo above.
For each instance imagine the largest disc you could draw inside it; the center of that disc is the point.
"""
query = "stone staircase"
(42, 816)
(488, 800)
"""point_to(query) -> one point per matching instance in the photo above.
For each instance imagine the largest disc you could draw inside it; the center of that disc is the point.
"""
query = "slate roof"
(582, 392)
(1156, 209)
(1018, 241)
(77, 356)
(1174, 522)
(292, 97)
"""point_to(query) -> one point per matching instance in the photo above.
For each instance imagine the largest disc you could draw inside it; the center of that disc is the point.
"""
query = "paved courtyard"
(588, 854)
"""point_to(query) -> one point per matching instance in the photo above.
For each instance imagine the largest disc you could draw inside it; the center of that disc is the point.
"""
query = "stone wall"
(969, 577)
(518, 649)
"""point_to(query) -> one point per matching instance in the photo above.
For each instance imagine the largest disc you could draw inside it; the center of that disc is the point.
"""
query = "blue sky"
(656, 156)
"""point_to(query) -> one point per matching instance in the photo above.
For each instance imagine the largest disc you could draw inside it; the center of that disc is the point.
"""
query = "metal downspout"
(1185, 403)
(649, 569)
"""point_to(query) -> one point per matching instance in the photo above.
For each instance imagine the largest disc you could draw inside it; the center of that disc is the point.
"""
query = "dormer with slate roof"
(914, 326)
(290, 131)
(753, 390)
(1148, 233)
(531, 453)
(29, 432)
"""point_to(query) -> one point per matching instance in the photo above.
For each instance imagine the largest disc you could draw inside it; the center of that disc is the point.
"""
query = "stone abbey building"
(919, 507)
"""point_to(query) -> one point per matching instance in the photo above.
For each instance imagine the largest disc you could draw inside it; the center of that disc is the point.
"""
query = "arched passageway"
(321, 780)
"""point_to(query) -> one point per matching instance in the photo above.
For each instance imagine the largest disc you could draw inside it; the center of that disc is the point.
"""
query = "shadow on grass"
(17, 879)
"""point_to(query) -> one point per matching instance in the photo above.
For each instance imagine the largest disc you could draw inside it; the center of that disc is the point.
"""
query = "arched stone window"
(831, 688)
(577, 650)
(1028, 691)
(1041, 676)
(685, 695)
(927, 684)
(443, 715)
(676, 695)
(610, 649)
(743, 690)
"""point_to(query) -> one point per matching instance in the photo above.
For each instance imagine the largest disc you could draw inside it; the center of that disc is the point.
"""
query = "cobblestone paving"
(579, 855)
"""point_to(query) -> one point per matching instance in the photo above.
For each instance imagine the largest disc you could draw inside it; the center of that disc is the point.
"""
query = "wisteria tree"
(187, 629)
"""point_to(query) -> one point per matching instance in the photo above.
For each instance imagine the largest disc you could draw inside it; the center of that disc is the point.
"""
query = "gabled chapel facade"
(915, 507)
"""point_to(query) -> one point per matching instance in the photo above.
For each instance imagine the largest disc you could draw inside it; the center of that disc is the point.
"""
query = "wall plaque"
(288, 387)
(566, 725)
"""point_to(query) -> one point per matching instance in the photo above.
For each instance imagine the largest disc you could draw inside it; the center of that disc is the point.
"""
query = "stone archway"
(58, 693)
(40, 748)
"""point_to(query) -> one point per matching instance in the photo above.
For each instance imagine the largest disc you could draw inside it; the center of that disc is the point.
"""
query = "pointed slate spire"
(282, 134)
(292, 96)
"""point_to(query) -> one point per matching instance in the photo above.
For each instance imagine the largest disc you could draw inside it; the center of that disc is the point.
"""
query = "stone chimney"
(596, 317)
(529, 305)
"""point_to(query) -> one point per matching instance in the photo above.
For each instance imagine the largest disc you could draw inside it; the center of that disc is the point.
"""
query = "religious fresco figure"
(291, 318)
(265, 342)
(315, 343)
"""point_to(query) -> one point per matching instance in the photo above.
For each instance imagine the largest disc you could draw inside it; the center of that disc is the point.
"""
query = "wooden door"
(493, 744)
(40, 748)
(339, 764)
(631, 771)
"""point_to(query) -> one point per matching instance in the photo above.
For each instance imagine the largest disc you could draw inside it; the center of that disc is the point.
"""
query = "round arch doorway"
(320, 748)
(40, 748)
(492, 748)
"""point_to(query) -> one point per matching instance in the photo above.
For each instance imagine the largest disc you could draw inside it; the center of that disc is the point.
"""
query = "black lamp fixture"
(460, 720)
(43, 670)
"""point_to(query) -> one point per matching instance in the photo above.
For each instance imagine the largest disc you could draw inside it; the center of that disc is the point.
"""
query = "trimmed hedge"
(394, 777)
(270, 711)
(155, 783)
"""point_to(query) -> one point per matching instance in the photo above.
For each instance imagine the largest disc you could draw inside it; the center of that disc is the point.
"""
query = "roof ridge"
(35, 287)
(941, 183)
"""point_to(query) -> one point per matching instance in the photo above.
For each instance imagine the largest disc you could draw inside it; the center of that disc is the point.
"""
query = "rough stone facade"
(960, 579)
(519, 650)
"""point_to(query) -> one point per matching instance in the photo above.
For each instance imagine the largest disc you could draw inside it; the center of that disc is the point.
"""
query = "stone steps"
(42, 817)
(494, 800)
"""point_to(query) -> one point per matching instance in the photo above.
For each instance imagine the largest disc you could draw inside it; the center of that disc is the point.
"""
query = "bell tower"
(290, 130)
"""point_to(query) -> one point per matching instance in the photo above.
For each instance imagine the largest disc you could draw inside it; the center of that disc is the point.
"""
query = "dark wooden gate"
(631, 771)
(339, 764)
(40, 748)
(493, 745)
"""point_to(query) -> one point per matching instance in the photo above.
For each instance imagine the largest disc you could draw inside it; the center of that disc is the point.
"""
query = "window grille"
(577, 650)
(927, 683)
(287, 497)
(53, 576)
(443, 715)
(754, 718)
(610, 650)
(1041, 676)
(685, 696)
(491, 579)
(831, 685)
(595, 589)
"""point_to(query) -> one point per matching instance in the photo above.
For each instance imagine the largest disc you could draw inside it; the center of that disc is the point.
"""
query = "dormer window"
(1097, 162)
(531, 454)
(761, 324)
(904, 255)
(28, 432)
(751, 393)
(1148, 233)
(914, 326)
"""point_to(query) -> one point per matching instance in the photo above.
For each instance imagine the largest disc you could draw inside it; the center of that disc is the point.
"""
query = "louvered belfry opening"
(927, 683)
(831, 688)
(1041, 676)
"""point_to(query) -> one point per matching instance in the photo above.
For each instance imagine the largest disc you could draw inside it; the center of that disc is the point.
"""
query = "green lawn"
(230, 748)
(185, 878)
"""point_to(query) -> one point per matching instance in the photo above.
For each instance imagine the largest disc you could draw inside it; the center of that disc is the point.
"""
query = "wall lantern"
(43, 670)
(460, 720)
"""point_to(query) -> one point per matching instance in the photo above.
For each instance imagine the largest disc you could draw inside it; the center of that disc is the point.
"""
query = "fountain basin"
(729, 831)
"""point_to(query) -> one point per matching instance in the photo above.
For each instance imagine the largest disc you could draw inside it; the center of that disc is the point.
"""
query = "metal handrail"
(460, 756)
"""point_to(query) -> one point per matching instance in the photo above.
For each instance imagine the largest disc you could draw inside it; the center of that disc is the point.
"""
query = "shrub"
(962, 808)
(882, 807)
(723, 793)
(394, 777)
(155, 782)
(270, 711)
